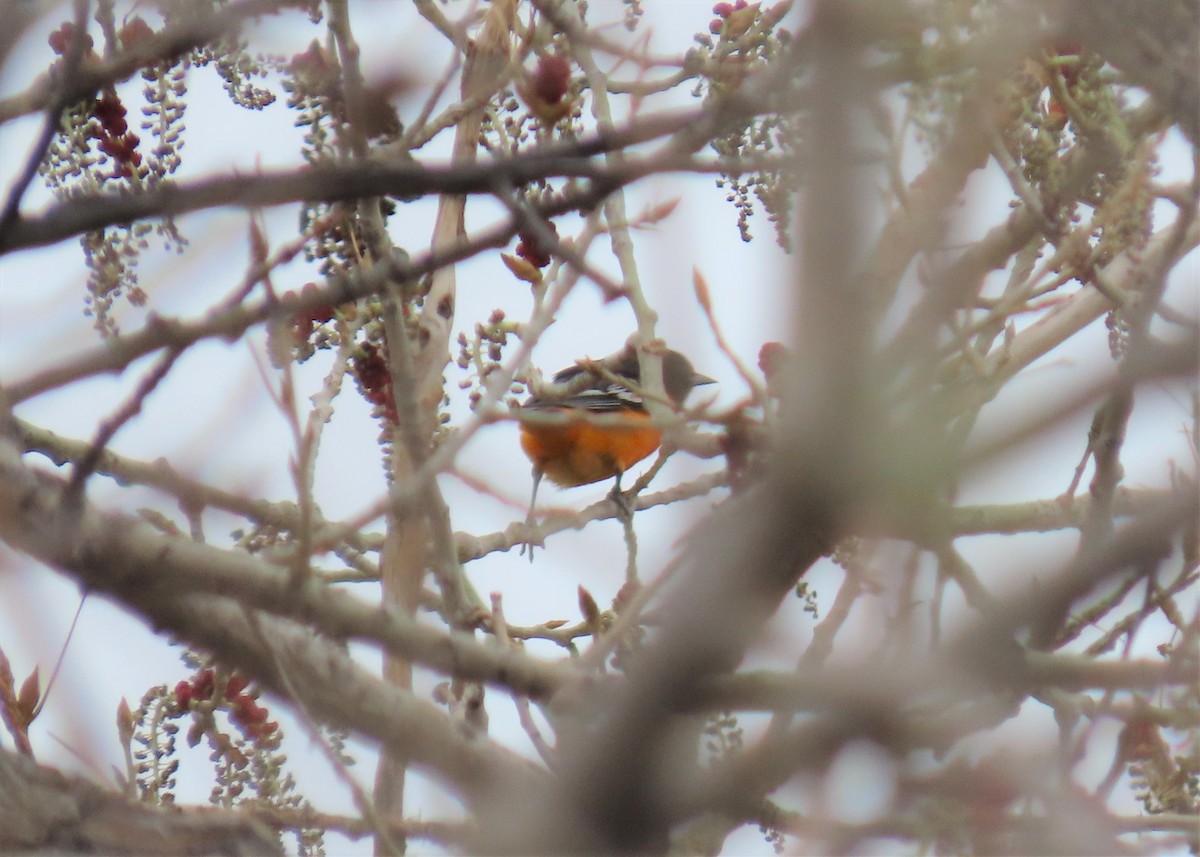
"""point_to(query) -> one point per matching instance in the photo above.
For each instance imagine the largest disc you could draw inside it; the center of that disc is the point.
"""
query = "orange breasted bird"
(580, 452)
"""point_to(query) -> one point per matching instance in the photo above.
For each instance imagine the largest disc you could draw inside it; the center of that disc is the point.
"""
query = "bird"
(581, 451)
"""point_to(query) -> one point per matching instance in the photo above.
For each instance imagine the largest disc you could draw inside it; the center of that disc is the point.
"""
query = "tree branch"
(41, 810)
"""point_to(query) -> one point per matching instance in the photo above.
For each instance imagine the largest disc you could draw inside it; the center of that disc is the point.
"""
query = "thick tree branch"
(772, 691)
(128, 560)
(167, 581)
(43, 811)
(369, 178)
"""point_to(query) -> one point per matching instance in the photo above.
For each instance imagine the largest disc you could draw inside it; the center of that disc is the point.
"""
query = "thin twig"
(132, 407)
(58, 662)
(524, 714)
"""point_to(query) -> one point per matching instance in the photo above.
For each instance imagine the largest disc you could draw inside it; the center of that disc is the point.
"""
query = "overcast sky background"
(213, 420)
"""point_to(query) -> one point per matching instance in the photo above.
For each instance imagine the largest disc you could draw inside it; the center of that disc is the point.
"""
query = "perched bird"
(580, 451)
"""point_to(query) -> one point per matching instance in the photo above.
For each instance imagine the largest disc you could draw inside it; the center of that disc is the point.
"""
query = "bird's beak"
(699, 380)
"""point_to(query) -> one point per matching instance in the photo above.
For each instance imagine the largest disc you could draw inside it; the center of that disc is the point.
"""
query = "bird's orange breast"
(579, 453)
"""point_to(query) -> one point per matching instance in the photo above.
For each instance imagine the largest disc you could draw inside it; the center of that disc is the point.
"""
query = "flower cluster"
(744, 443)
(135, 30)
(316, 71)
(732, 19)
(552, 78)
(199, 687)
(243, 708)
(482, 355)
(532, 255)
(747, 37)
(62, 39)
(545, 92)
(245, 711)
(113, 134)
(306, 321)
(370, 367)
(532, 251)
(771, 358)
(110, 129)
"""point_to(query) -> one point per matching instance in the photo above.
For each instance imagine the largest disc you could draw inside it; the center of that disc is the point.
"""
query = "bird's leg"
(624, 504)
(530, 519)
